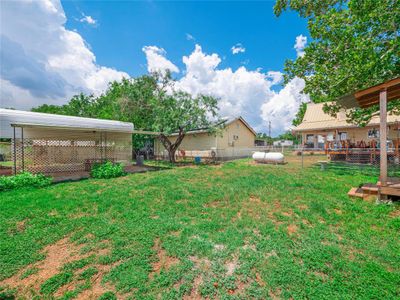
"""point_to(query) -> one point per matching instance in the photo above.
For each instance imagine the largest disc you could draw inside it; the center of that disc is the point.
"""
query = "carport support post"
(383, 136)
(15, 151)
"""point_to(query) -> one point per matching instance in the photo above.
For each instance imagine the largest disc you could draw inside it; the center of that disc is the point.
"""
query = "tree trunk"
(171, 156)
(172, 147)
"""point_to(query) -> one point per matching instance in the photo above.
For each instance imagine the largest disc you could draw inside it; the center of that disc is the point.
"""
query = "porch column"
(315, 141)
(383, 136)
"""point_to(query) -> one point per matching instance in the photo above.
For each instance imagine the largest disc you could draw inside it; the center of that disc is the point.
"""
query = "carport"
(57, 144)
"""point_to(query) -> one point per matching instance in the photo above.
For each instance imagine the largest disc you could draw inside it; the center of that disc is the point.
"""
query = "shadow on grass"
(340, 168)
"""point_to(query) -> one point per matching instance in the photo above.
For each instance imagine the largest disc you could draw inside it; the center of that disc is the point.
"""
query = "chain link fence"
(364, 160)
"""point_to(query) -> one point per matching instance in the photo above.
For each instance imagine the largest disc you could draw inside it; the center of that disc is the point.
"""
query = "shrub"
(107, 170)
(25, 179)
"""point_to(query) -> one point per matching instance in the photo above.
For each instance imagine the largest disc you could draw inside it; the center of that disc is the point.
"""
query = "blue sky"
(52, 50)
(124, 27)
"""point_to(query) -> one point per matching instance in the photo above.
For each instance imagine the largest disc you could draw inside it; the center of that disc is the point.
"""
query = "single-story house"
(283, 143)
(343, 140)
(237, 139)
(319, 130)
(49, 143)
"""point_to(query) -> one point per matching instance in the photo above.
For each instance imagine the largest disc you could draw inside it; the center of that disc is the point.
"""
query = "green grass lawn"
(232, 231)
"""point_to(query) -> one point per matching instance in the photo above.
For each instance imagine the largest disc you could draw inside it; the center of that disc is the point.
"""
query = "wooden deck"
(361, 156)
(390, 190)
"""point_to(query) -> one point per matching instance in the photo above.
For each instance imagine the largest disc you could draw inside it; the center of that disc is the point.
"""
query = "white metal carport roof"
(10, 118)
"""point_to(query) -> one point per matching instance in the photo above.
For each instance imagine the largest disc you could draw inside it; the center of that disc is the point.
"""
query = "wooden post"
(383, 136)
(315, 141)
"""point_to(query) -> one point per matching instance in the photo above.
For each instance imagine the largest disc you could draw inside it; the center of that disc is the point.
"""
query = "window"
(342, 136)
(329, 137)
(373, 133)
(309, 138)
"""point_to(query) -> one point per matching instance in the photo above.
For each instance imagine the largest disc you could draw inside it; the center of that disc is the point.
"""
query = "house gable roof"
(316, 119)
(226, 121)
(230, 121)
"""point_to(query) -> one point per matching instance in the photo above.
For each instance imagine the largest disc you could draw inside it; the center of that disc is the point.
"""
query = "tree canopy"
(355, 44)
(150, 102)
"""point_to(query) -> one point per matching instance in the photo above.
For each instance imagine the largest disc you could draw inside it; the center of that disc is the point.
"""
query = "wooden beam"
(383, 136)
(386, 85)
(372, 99)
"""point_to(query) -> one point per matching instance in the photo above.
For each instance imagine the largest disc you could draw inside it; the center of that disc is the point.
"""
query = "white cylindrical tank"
(269, 157)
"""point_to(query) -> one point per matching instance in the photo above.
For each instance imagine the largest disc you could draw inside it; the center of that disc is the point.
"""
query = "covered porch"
(378, 95)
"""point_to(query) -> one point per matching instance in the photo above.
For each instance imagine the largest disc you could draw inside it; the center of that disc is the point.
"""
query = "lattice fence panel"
(52, 155)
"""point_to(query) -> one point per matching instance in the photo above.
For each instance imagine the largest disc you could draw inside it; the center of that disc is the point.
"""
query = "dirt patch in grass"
(214, 204)
(306, 222)
(271, 254)
(395, 214)
(202, 265)
(321, 275)
(21, 225)
(195, 291)
(164, 262)
(259, 280)
(254, 208)
(57, 256)
(231, 266)
(287, 213)
(275, 294)
(176, 233)
(240, 288)
(338, 211)
(302, 207)
(291, 229)
(97, 287)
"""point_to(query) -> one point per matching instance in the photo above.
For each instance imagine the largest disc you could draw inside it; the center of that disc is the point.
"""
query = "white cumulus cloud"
(42, 61)
(238, 48)
(275, 76)
(300, 44)
(283, 106)
(242, 92)
(156, 61)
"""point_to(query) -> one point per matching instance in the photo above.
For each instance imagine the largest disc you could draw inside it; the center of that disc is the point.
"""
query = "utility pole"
(269, 128)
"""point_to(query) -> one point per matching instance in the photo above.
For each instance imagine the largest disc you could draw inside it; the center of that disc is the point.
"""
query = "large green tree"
(150, 102)
(355, 44)
(80, 105)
